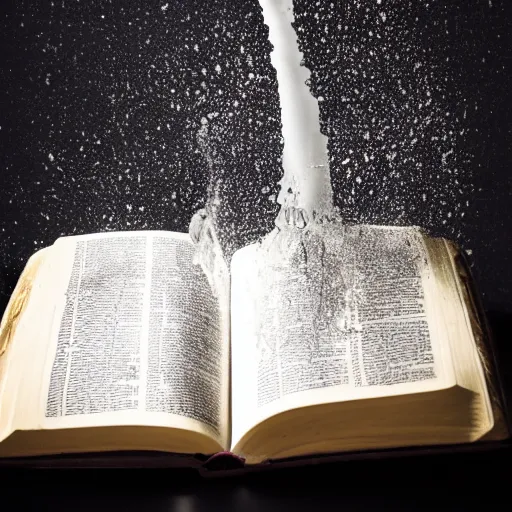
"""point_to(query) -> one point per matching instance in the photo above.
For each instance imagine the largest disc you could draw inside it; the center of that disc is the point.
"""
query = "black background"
(101, 104)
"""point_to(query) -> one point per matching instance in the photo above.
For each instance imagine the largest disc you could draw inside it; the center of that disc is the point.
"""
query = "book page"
(137, 337)
(14, 333)
(336, 313)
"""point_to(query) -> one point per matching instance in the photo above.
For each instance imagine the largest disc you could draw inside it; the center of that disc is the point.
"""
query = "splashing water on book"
(305, 235)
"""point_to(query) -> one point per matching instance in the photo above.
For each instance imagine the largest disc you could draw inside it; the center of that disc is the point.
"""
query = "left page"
(137, 337)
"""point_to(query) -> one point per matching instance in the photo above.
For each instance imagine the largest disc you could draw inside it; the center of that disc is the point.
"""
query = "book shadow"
(500, 324)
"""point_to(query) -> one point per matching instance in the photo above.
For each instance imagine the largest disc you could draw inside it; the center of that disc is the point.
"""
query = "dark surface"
(99, 119)
(439, 483)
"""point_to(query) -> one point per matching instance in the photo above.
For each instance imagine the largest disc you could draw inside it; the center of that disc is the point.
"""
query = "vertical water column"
(305, 187)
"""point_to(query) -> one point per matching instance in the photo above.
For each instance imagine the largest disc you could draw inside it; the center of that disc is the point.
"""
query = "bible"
(331, 339)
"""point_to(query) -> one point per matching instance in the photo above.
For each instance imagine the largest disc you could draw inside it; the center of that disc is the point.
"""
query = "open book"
(329, 340)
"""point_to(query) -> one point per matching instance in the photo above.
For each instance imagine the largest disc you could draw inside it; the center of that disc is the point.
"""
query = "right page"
(332, 313)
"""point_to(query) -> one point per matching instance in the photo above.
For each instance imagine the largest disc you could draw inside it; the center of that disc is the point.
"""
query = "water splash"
(306, 192)
(208, 252)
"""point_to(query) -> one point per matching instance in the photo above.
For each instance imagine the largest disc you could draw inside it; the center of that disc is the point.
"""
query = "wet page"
(327, 315)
